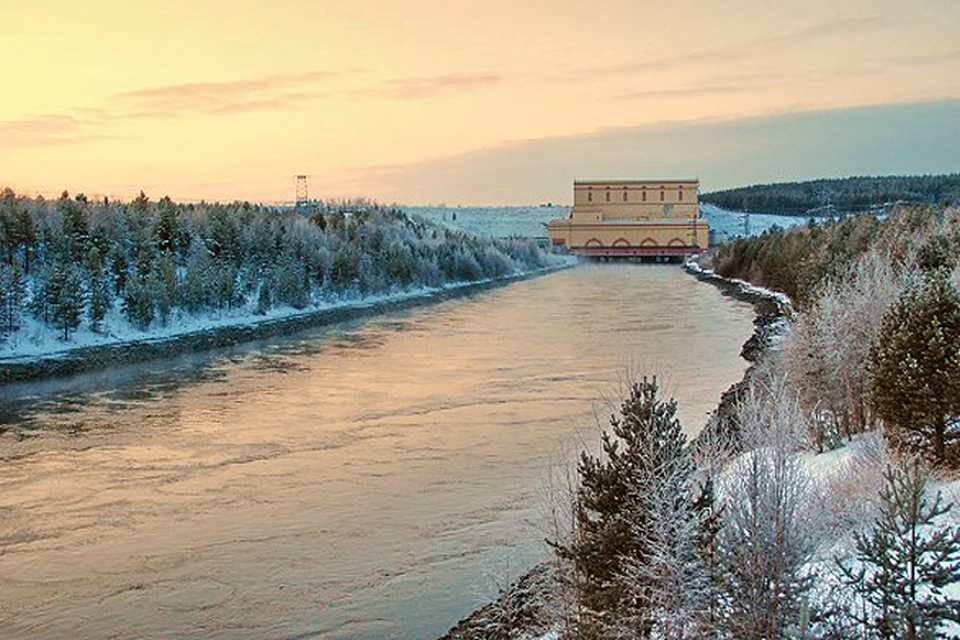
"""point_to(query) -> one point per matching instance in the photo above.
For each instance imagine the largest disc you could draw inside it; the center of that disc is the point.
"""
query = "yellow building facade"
(629, 218)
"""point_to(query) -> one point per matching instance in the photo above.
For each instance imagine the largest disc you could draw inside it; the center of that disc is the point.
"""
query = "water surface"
(372, 479)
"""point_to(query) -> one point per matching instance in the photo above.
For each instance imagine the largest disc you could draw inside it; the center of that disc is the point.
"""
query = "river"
(378, 478)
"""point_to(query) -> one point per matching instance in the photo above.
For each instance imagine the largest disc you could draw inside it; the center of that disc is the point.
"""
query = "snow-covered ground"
(37, 340)
(846, 483)
(530, 222)
(498, 222)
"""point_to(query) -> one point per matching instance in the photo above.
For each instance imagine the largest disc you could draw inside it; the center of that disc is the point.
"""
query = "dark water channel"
(374, 479)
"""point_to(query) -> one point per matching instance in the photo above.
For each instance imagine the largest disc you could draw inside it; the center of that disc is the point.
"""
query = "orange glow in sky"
(224, 100)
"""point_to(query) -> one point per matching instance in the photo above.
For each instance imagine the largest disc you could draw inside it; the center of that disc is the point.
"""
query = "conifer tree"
(167, 287)
(915, 363)
(138, 302)
(12, 292)
(623, 556)
(168, 227)
(905, 561)
(98, 287)
(65, 296)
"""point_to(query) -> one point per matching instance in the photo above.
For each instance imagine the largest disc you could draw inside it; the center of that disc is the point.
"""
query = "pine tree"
(168, 227)
(633, 521)
(915, 363)
(139, 302)
(99, 289)
(64, 294)
(167, 287)
(12, 292)
(906, 562)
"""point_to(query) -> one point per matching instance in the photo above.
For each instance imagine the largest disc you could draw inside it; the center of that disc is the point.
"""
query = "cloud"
(734, 52)
(429, 87)
(907, 138)
(263, 93)
(46, 131)
(684, 92)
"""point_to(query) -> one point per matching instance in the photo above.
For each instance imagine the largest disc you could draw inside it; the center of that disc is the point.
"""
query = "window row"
(607, 193)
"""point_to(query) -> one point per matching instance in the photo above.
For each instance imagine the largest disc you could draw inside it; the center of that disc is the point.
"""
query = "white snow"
(531, 222)
(37, 340)
(847, 483)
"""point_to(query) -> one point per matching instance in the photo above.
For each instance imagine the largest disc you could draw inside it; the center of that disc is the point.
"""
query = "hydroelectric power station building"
(632, 218)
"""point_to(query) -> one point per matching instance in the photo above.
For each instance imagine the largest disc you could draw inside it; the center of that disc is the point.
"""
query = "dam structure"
(632, 219)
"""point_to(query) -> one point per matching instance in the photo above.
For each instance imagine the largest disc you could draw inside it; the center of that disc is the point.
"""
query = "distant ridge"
(858, 193)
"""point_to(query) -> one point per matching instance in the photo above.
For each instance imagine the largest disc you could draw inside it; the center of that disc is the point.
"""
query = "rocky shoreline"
(772, 312)
(85, 359)
(522, 611)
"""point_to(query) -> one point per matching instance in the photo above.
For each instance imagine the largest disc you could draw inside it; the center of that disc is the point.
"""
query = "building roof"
(605, 183)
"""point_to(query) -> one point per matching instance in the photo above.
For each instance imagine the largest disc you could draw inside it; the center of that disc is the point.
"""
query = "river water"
(373, 479)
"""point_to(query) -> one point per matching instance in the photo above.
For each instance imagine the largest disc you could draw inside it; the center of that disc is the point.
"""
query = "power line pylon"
(302, 192)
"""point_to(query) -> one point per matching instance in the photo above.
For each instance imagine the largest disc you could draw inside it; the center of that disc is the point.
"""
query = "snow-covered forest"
(840, 194)
(76, 271)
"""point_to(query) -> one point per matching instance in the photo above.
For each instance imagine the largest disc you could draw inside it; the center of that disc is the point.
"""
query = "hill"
(838, 195)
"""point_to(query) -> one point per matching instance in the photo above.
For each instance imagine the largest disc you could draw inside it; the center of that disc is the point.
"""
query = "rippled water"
(375, 479)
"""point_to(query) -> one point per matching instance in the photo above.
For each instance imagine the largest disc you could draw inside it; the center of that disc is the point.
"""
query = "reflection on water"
(371, 479)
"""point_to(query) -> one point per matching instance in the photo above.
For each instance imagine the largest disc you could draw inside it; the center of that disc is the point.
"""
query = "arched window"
(589, 194)
(608, 194)
(644, 194)
(661, 194)
(680, 194)
(624, 194)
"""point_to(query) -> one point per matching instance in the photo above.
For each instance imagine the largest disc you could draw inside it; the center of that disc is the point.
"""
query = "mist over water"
(373, 479)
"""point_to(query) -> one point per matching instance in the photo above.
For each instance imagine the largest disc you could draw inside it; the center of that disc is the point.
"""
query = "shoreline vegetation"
(523, 609)
(85, 359)
(85, 285)
(820, 499)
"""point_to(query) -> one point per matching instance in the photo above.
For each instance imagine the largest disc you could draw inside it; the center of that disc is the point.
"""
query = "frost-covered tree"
(167, 287)
(765, 539)
(636, 570)
(98, 287)
(12, 292)
(64, 295)
(139, 302)
(915, 364)
(905, 562)
(826, 356)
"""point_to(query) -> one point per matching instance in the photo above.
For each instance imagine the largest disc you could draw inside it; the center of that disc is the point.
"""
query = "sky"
(461, 102)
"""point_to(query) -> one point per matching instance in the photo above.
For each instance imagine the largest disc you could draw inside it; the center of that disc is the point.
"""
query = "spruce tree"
(905, 561)
(915, 363)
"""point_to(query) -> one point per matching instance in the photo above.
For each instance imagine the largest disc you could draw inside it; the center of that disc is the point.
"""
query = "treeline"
(74, 262)
(878, 339)
(827, 196)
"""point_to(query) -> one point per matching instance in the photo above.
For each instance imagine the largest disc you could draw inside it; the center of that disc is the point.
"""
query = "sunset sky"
(428, 101)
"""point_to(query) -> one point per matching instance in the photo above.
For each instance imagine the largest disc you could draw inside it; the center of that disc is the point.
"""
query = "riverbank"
(773, 311)
(73, 360)
(525, 609)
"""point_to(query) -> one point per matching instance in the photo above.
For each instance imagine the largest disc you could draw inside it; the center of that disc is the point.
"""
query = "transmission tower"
(303, 196)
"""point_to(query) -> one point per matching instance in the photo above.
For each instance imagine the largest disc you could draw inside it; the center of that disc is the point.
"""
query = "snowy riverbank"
(525, 610)
(39, 354)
